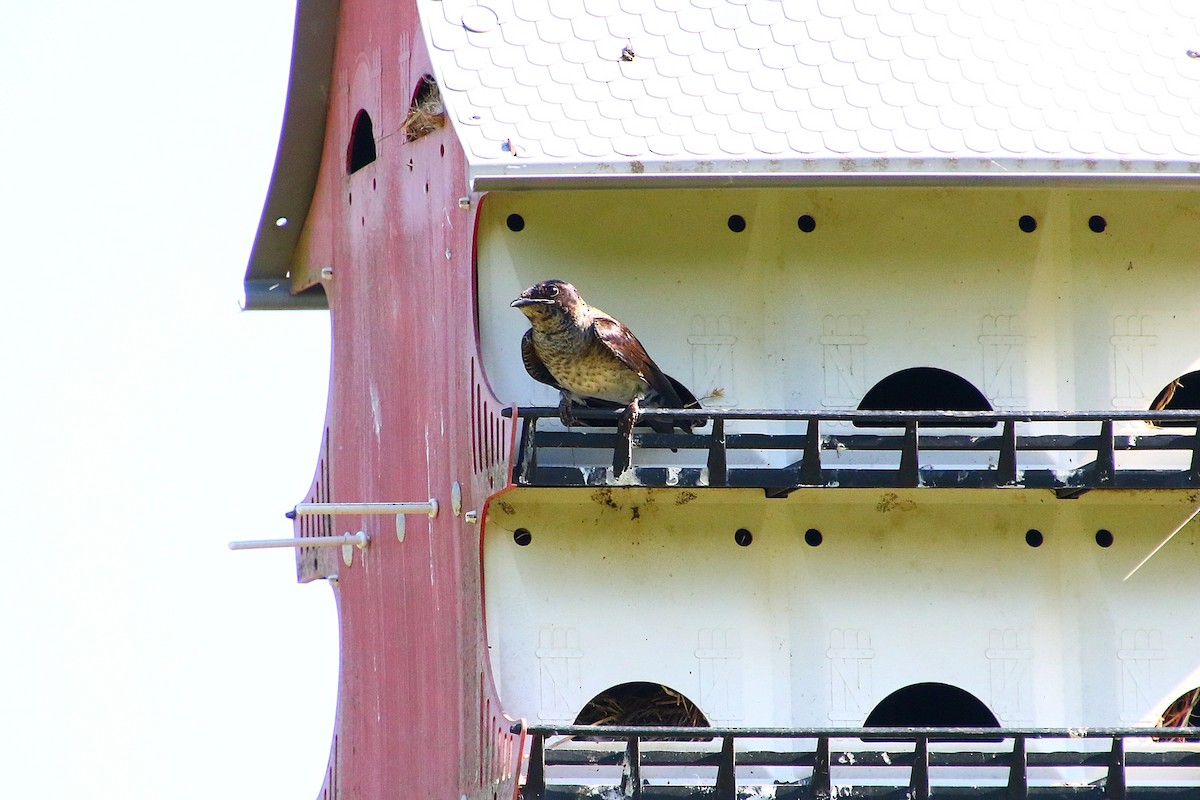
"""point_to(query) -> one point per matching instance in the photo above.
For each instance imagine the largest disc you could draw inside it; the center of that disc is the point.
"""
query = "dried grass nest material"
(427, 112)
(1183, 713)
(641, 703)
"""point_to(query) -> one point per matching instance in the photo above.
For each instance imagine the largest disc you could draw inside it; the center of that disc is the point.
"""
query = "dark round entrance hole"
(806, 224)
(522, 536)
(1034, 538)
(1104, 537)
(515, 222)
(931, 705)
(743, 537)
(1027, 223)
(813, 537)
(924, 389)
(1181, 394)
(737, 223)
(1097, 223)
(642, 703)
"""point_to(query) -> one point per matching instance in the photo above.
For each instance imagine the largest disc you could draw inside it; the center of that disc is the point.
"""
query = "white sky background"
(147, 420)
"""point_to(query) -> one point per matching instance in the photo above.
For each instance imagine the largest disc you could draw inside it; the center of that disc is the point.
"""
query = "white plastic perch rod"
(310, 509)
(429, 508)
(360, 539)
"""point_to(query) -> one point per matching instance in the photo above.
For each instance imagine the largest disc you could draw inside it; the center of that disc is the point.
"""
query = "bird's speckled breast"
(589, 369)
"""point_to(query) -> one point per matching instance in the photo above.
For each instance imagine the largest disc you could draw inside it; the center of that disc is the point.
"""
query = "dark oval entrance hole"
(931, 705)
(925, 389)
(362, 142)
(1181, 394)
(642, 703)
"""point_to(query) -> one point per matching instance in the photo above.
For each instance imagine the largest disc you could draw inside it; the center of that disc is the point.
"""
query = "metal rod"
(1114, 783)
(821, 788)
(1105, 462)
(1163, 543)
(1018, 772)
(918, 783)
(896, 418)
(726, 788)
(429, 508)
(631, 770)
(525, 464)
(360, 539)
(910, 467)
(718, 466)
(954, 734)
(535, 777)
(1194, 467)
(810, 466)
(1007, 466)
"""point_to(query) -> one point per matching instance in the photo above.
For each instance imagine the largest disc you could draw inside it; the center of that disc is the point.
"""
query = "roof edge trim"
(753, 180)
(269, 294)
(301, 142)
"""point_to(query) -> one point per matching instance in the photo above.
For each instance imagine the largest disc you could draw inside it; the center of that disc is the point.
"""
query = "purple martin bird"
(595, 361)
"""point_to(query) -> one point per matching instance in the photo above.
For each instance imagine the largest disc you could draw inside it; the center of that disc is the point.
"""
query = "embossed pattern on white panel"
(719, 653)
(844, 356)
(1132, 338)
(850, 657)
(1139, 650)
(1003, 343)
(559, 657)
(712, 340)
(1010, 656)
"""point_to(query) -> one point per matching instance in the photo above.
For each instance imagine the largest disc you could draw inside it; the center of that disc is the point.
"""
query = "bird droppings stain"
(636, 513)
(376, 412)
(505, 507)
(892, 502)
(604, 498)
(684, 498)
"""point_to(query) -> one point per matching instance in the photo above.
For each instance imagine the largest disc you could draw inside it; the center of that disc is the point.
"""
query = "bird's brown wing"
(625, 346)
(533, 364)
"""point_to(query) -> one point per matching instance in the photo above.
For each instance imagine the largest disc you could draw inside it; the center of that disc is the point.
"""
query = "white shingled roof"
(745, 90)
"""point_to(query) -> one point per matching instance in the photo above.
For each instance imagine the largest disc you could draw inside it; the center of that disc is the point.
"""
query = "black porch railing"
(1001, 449)
(868, 763)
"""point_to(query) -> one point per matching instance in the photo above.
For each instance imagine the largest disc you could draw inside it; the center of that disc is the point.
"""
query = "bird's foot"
(629, 417)
(566, 412)
(623, 455)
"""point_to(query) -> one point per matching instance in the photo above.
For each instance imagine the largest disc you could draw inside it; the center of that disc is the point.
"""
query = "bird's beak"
(521, 302)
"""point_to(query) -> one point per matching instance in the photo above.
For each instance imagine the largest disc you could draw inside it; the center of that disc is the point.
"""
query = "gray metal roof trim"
(274, 294)
(297, 159)
(537, 177)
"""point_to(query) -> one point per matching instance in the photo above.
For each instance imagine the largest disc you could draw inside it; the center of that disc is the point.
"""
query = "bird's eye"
(554, 291)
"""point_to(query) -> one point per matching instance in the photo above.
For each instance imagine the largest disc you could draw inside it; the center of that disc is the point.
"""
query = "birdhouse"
(863, 457)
